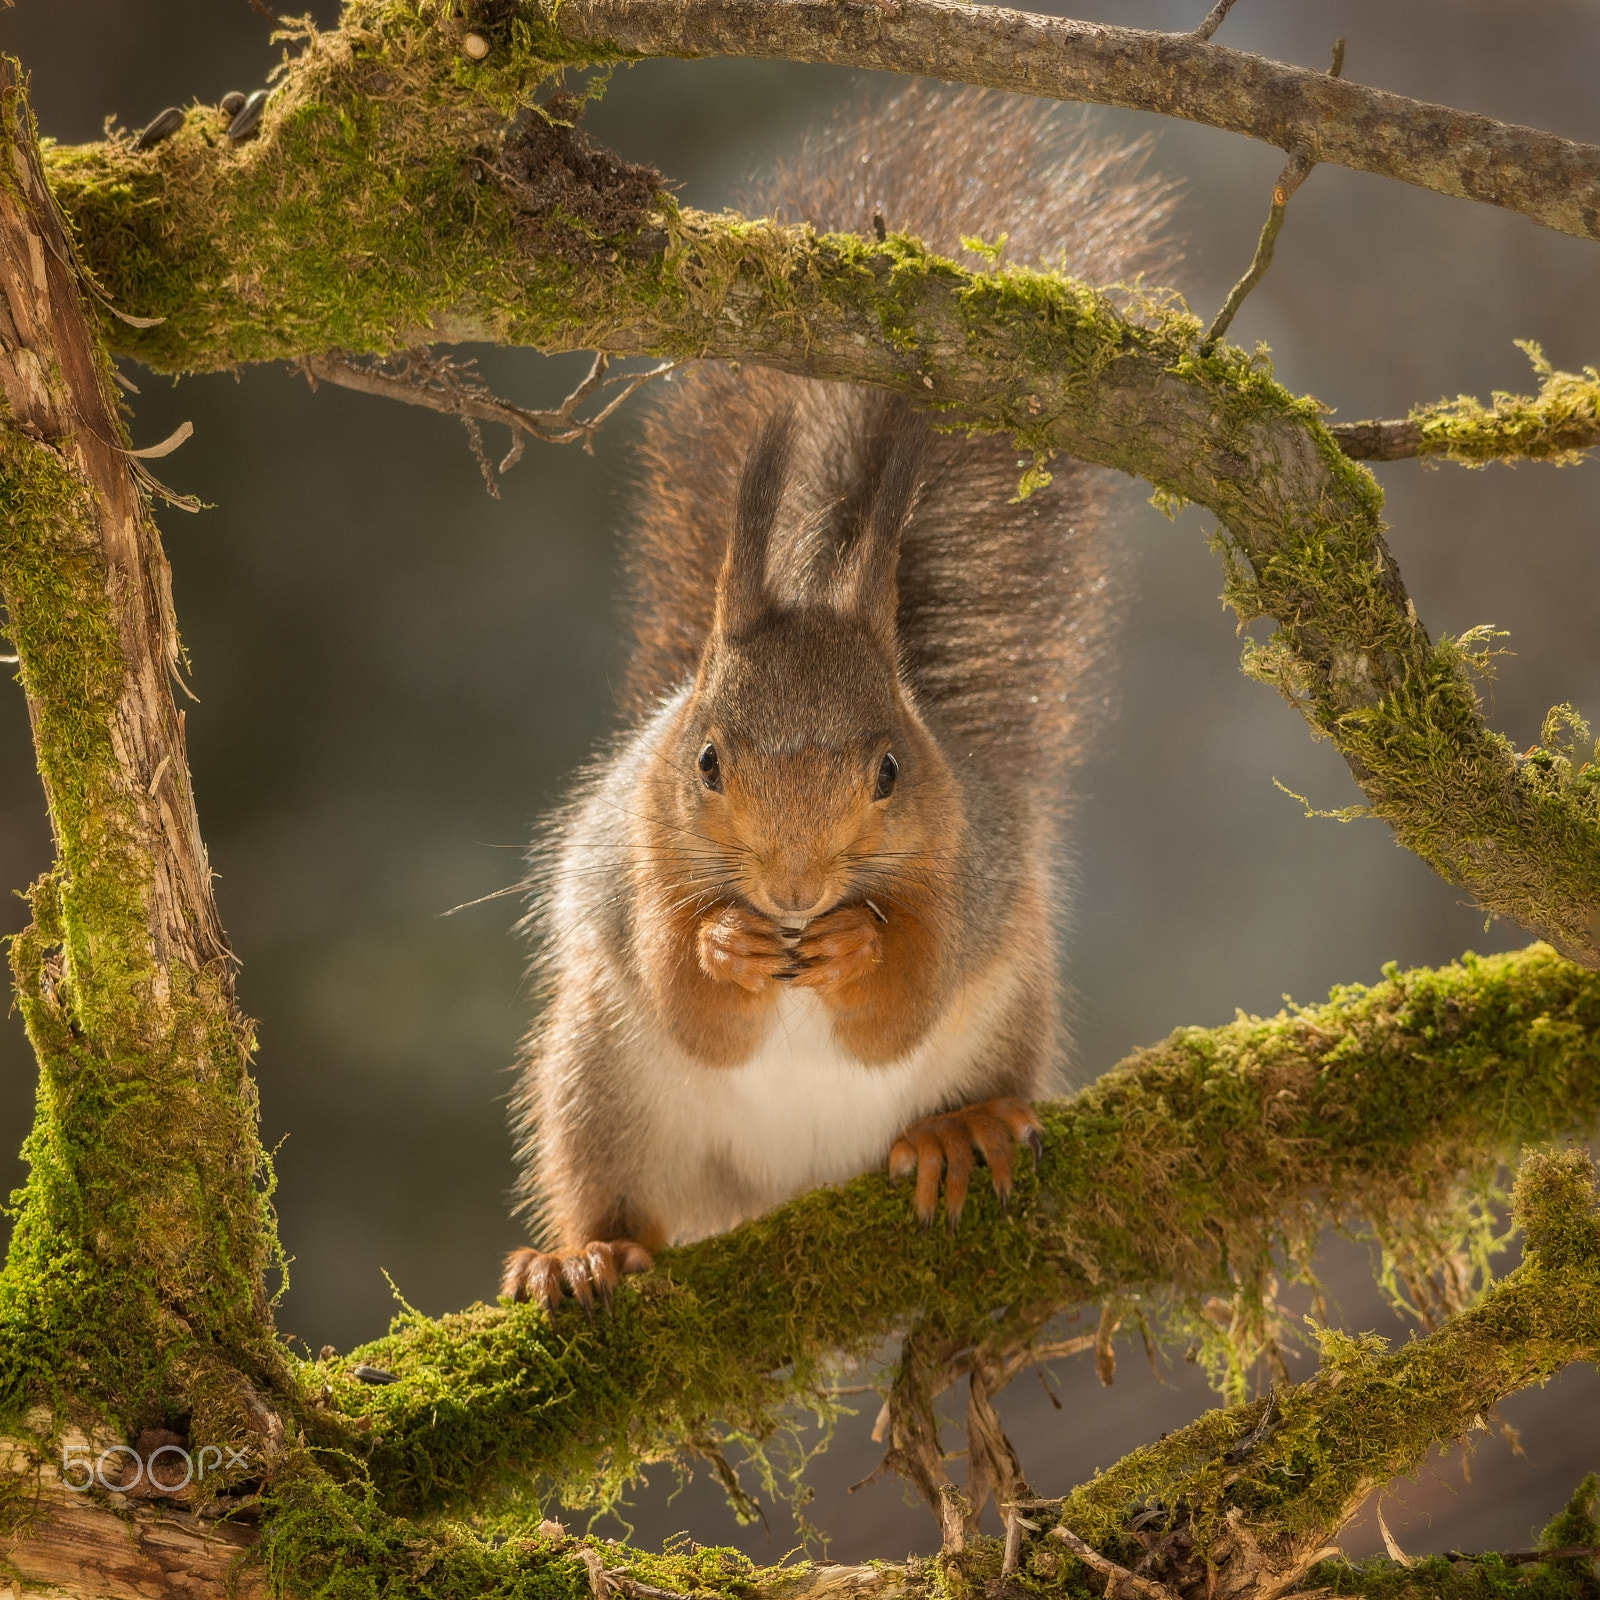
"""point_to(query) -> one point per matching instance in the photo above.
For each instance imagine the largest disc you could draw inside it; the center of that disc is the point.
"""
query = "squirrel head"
(800, 766)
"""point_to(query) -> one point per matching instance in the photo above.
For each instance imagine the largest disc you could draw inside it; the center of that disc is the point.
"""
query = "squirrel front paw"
(741, 946)
(945, 1144)
(836, 948)
(544, 1277)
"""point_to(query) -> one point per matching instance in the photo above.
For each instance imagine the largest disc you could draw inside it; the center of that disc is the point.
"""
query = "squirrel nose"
(796, 894)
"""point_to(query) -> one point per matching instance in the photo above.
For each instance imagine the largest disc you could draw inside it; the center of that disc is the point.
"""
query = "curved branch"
(1553, 181)
(136, 1266)
(1240, 1504)
(1241, 1510)
(1173, 1177)
(525, 234)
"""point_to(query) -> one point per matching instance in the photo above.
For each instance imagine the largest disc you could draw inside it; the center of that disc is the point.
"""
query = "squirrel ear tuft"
(869, 587)
(742, 593)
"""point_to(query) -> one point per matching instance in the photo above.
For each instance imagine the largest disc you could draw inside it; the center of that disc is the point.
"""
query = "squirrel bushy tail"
(1003, 603)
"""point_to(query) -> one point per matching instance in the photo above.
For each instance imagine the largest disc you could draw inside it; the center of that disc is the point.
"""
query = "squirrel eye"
(888, 771)
(710, 768)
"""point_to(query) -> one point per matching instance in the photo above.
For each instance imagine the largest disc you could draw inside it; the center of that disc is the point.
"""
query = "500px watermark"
(82, 1469)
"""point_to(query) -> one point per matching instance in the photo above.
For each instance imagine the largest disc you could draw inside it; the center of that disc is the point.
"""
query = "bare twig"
(1294, 173)
(1396, 440)
(1105, 1353)
(1016, 1525)
(1213, 20)
(1091, 1557)
(423, 377)
(1524, 1558)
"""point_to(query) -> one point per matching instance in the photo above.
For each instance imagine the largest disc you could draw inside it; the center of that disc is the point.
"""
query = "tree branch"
(423, 377)
(1231, 1524)
(1295, 172)
(1213, 19)
(1555, 182)
(385, 200)
(1557, 425)
(1173, 1178)
(523, 233)
(136, 1266)
(1241, 1504)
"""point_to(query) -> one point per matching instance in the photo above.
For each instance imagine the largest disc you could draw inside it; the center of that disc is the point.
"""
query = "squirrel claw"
(545, 1278)
(945, 1146)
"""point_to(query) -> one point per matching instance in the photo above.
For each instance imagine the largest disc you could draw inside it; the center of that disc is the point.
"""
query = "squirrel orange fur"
(800, 920)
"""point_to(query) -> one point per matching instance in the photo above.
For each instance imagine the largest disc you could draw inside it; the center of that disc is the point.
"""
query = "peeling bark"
(135, 1273)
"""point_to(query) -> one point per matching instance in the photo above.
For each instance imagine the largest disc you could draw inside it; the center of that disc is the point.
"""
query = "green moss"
(133, 1289)
(330, 1540)
(1297, 1473)
(1294, 1467)
(1436, 1578)
(145, 1226)
(1173, 1179)
(374, 211)
(1559, 424)
(369, 214)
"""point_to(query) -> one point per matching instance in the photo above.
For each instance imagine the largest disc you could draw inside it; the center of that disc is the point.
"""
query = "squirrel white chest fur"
(798, 1112)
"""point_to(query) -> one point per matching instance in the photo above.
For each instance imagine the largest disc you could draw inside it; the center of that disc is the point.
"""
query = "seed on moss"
(248, 117)
(233, 102)
(475, 46)
(368, 1374)
(163, 127)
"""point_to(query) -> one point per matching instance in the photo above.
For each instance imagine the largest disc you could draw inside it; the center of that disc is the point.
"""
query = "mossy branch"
(1172, 1179)
(1558, 425)
(386, 201)
(1242, 1502)
(135, 1272)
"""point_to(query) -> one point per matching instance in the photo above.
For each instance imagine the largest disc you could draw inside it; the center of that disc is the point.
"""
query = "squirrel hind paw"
(546, 1277)
(944, 1146)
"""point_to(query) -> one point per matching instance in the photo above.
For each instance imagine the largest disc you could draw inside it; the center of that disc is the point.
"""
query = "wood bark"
(60, 397)
(141, 1241)
(1554, 182)
(212, 238)
(99, 1546)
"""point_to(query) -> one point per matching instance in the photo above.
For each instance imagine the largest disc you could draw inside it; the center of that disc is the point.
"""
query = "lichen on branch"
(1244, 1502)
(402, 191)
(1554, 181)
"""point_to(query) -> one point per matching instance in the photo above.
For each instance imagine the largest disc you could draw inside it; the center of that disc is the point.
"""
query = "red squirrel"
(800, 920)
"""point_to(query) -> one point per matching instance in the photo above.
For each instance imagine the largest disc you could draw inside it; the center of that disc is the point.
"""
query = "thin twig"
(1016, 1523)
(1091, 1557)
(1524, 1558)
(1295, 172)
(1213, 20)
(421, 377)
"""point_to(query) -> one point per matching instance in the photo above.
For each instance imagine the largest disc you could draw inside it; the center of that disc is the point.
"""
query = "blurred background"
(396, 673)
